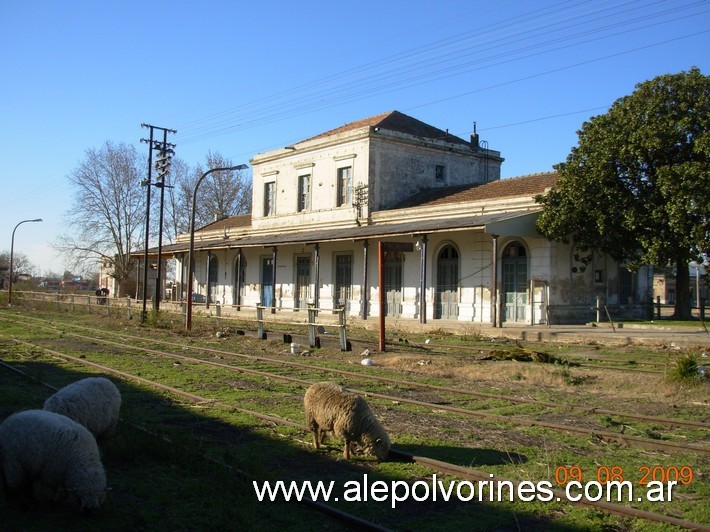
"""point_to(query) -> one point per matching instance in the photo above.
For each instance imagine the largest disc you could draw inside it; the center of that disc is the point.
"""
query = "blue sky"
(241, 78)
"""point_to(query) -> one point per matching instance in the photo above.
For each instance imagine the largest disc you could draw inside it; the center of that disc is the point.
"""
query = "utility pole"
(162, 164)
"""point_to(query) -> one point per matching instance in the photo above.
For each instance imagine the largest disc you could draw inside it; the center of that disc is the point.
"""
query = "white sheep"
(330, 407)
(94, 402)
(41, 451)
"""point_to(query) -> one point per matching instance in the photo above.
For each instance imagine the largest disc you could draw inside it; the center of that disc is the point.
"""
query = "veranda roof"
(497, 223)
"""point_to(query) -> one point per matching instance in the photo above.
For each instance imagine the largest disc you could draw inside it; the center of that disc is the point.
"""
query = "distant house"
(459, 243)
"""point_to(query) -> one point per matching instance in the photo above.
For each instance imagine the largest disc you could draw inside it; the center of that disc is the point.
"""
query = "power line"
(418, 73)
(549, 117)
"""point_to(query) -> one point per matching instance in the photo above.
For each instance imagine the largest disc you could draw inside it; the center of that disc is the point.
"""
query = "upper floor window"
(304, 192)
(345, 185)
(440, 172)
(269, 198)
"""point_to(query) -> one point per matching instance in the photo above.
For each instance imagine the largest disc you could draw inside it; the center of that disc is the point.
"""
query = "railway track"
(629, 440)
(646, 443)
(433, 464)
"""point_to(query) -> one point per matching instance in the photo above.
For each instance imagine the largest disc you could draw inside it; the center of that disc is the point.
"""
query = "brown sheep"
(330, 407)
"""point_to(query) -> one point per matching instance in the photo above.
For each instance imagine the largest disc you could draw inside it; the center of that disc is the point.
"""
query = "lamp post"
(190, 265)
(12, 256)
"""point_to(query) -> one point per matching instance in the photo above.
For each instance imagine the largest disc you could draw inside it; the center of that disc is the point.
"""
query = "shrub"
(685, 370)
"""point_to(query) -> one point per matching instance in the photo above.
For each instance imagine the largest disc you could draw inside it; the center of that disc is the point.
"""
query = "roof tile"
(528, 185)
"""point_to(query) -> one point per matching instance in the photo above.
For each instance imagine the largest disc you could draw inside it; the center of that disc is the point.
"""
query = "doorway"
(446, 306)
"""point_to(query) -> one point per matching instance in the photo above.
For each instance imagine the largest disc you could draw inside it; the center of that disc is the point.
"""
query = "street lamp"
(12, 256)
(190, 265)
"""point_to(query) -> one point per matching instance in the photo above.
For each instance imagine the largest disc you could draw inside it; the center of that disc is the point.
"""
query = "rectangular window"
(304, 192)
(343, 279)
(440, 172)
(269, 199)
(345, 184)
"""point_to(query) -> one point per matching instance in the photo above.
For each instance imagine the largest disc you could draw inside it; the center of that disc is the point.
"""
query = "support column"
(381, 291)
(365, 285)
(494, 283)
(239, 280)
(316, 283)
(209, 288)
(273, 280)
(422, 281)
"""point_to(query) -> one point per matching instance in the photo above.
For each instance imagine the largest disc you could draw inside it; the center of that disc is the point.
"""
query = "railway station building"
(392, 201)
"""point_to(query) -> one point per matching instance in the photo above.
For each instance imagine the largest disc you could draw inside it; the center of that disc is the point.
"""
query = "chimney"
(474, 139)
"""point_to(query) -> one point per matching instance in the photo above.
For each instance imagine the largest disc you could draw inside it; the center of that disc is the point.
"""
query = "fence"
(317, 319)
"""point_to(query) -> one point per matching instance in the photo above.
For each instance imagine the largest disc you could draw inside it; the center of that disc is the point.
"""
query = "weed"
(573, 380)
(685, 371)
(609, 422)
(653, 434)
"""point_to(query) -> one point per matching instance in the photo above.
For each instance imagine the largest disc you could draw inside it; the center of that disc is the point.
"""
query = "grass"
(170, 485)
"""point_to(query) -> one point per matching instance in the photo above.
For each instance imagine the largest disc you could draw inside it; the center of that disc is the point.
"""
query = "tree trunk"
(682, 310)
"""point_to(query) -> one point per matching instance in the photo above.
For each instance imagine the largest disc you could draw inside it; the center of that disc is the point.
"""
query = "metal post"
(190, 261)
(209, 286)
(316, 286)
(161, 184)
(341, 327)
(260, 321)
(147, 184)
(273, 281)
(365, 287)
(218, 312)
(494, 287)
(422, 281)
(599, 309)
(238, 287)
(311, 325)
(12, 256)
(381, 291)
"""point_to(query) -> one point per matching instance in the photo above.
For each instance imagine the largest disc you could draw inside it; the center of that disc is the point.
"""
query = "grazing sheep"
(330, 407)
(41, 451)
(94, 402)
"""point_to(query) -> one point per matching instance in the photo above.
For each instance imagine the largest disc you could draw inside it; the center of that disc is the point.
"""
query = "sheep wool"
(41, 452)
(94, 402)
(330, 407)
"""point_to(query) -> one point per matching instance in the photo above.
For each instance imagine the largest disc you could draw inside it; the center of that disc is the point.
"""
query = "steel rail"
(584, 409)
(431, 463)
(321, 507)
(480, 476)
(645, 443)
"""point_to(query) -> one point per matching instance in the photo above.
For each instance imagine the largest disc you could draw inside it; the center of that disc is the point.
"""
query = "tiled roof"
(395, 121)
(528, 186)
(241, 220)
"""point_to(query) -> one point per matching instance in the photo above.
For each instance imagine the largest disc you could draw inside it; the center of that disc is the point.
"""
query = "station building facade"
(392, 204)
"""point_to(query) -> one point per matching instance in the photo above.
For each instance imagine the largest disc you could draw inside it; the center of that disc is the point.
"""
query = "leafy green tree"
(637, 185)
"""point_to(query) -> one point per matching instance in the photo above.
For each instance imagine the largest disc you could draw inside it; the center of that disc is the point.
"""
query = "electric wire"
(331, 94)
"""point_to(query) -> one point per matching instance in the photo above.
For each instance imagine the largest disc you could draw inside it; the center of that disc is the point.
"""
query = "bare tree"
(222, 194)
(20, 265)
(107, 214)
(177, 200)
